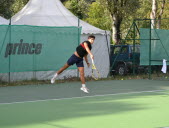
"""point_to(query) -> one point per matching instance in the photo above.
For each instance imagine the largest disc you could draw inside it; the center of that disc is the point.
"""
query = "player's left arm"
(88, 51)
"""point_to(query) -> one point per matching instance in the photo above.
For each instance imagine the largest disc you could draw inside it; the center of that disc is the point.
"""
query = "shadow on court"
(45, 112)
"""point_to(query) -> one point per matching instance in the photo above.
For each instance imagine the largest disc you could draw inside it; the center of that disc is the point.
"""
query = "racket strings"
(95, 72)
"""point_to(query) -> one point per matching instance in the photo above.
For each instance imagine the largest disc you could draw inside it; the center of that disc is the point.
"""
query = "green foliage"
(77, 7)
(5, 8)
(123, 8)
(166, 11)
(143, 12)
(165, 22)
(9, 7)
(99, 16)
(17, 6)
(99, 13)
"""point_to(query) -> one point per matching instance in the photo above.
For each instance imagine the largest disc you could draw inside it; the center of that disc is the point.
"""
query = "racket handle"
(92, 61)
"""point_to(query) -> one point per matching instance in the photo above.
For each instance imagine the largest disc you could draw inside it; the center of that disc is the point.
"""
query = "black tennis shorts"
(74, 59)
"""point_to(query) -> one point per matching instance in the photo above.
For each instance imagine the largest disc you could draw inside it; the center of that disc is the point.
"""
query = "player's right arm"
(87, 62)
(88, 50)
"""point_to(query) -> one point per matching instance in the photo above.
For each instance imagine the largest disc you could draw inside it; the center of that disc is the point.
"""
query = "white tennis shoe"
(53, 80)
(84, 89)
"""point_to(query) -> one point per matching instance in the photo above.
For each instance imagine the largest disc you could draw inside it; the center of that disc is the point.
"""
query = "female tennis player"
(81, 52)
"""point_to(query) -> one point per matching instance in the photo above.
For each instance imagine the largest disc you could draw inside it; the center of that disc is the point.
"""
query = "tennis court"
(110, 104)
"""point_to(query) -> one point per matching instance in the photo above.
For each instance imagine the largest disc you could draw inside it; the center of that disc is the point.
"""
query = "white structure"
(53, 13)
(3, 21)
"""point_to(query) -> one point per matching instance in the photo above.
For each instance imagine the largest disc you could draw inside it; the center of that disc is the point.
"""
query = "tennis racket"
(95, 72)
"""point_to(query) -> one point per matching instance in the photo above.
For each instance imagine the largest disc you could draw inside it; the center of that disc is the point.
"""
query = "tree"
(63, 1)
(5, 8)
(156, 13)
(161, 11)
(89, 1)
(119, 10)
(99, 16)
(153, 13)
(78, 7)
(9, 7)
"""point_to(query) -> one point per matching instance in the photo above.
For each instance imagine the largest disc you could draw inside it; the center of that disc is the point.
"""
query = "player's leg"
(82, 78)
(70, 62)
(63, 68)
(80, 66)
(58, 72)
(81, 71)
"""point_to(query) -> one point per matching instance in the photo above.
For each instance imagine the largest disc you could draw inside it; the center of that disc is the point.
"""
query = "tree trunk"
(160, 15)
(116, 29)
(153, 13)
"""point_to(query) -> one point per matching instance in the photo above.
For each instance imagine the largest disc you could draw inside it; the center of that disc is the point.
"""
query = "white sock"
(83, 85)
(55, 75)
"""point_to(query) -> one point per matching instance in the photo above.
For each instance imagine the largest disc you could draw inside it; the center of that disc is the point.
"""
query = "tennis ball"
(166, 77)
(122, 79)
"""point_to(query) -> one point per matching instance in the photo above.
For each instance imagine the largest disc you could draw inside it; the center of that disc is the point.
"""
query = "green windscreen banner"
(158, 41)
(36, 48)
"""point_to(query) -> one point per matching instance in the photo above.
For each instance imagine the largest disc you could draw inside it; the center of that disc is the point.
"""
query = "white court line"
(83, 97)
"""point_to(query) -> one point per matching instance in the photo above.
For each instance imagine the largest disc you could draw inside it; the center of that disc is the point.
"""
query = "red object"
(83, 46)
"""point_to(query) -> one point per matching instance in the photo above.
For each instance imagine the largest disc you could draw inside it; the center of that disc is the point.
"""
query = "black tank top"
(81, 51)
